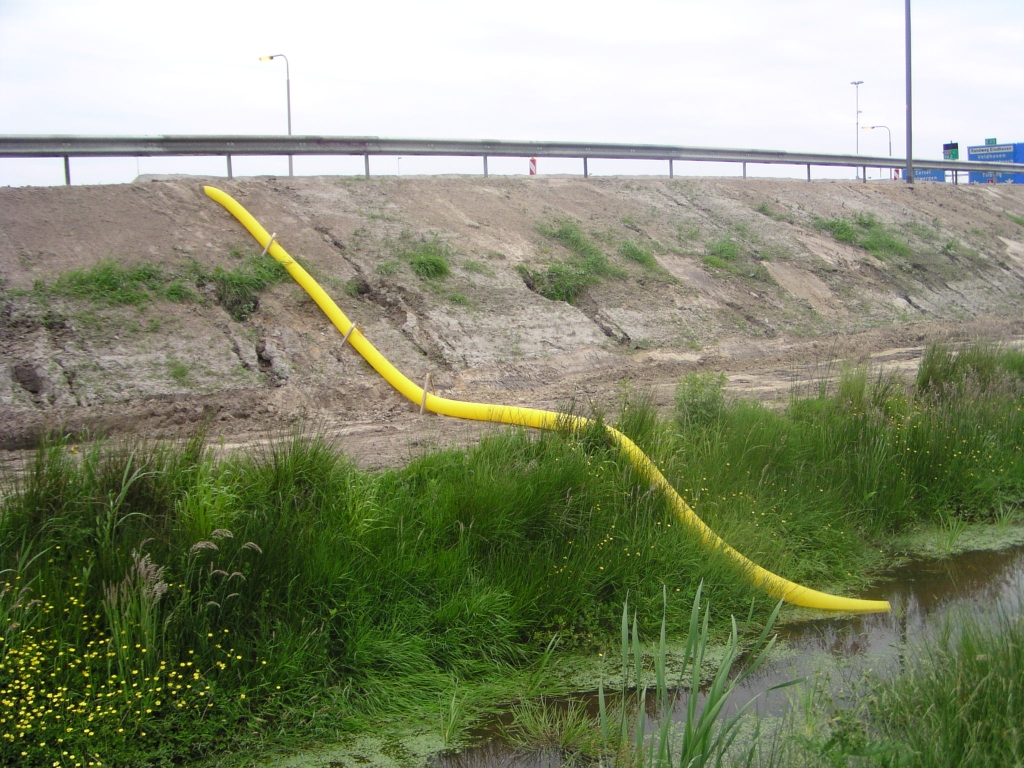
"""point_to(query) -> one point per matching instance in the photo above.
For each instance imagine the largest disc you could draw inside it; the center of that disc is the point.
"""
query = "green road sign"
(991, 141)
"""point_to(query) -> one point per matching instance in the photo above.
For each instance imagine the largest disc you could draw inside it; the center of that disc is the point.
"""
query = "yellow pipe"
(774, 585)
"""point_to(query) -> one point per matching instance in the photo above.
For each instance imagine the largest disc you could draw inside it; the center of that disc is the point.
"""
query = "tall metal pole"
(288, 94)
(890, 143)
(888, 133)
(910, 110)
(856, 87)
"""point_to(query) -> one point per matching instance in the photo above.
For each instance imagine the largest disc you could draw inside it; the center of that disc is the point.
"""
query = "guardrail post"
(864, 174)
(67, 170)
(230, 175)
(366, 164)
(670, 169)
(585, 172)
(485, 166)
(808, 171)
(744, 170)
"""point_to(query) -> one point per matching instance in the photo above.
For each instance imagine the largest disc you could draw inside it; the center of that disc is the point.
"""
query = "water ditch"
(927, 597)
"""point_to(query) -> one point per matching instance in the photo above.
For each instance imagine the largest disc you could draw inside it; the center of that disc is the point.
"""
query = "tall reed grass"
(962, 701)
(958, 700)
(706, 733)
(622, 733)
(861, 459)
(211, 603)
(288, 577)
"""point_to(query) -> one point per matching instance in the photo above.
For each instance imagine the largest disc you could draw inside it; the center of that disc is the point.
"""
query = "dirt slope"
(744, 282)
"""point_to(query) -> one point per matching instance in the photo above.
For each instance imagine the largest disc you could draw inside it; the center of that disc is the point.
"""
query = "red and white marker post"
(533, 166)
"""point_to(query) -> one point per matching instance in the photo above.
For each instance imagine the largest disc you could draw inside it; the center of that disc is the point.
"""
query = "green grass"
(545, 724)
(687, 233)
(954, 248)
(723, 255)
(619, 734)
(180, 292)
(879, 240)
(238, 289)
(962, 702)
(560, 282)
(109, 284)
(477, 267)
(567, 280)
(841, 229)
(305, 597)
(725, 249)
(639, 254)
(355, 287)
(945, 371)
(958, 701)
(568, 234)
(180, 372)
(1018, 220)
(875, 450)
(720, 264)
(766, 209)
(700, 399)
(704, 736)
(772, 252)
(867, 232)
(429, 266)
(298, 588)
(428, 259)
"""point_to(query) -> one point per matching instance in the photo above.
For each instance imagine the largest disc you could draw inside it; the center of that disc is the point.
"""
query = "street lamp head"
(857, 82)
(270, 58)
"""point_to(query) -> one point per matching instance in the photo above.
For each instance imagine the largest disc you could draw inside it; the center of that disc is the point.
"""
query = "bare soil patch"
(782, 298)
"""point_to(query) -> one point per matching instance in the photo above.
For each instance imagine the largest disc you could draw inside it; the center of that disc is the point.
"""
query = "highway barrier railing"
(67, 147)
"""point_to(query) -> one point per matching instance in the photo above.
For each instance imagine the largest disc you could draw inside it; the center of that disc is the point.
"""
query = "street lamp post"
(856, 87)
(873, 127)
(288, 92)
(910, 102)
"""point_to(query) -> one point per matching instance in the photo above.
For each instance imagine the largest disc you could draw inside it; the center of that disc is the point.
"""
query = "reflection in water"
(926, 598)
(495, 753)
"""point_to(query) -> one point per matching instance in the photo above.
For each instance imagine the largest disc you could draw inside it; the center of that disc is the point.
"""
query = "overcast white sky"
(732, 73)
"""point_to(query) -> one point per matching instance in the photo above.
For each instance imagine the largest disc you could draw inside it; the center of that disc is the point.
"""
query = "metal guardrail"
(67, 147)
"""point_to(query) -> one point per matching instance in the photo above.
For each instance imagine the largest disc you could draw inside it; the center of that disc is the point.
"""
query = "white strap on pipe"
(423, 402)
(270, 242)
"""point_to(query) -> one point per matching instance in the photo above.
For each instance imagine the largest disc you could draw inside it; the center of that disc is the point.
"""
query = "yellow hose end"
(810, 598)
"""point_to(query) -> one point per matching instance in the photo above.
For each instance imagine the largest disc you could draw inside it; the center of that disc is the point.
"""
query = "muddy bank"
(742, 279)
